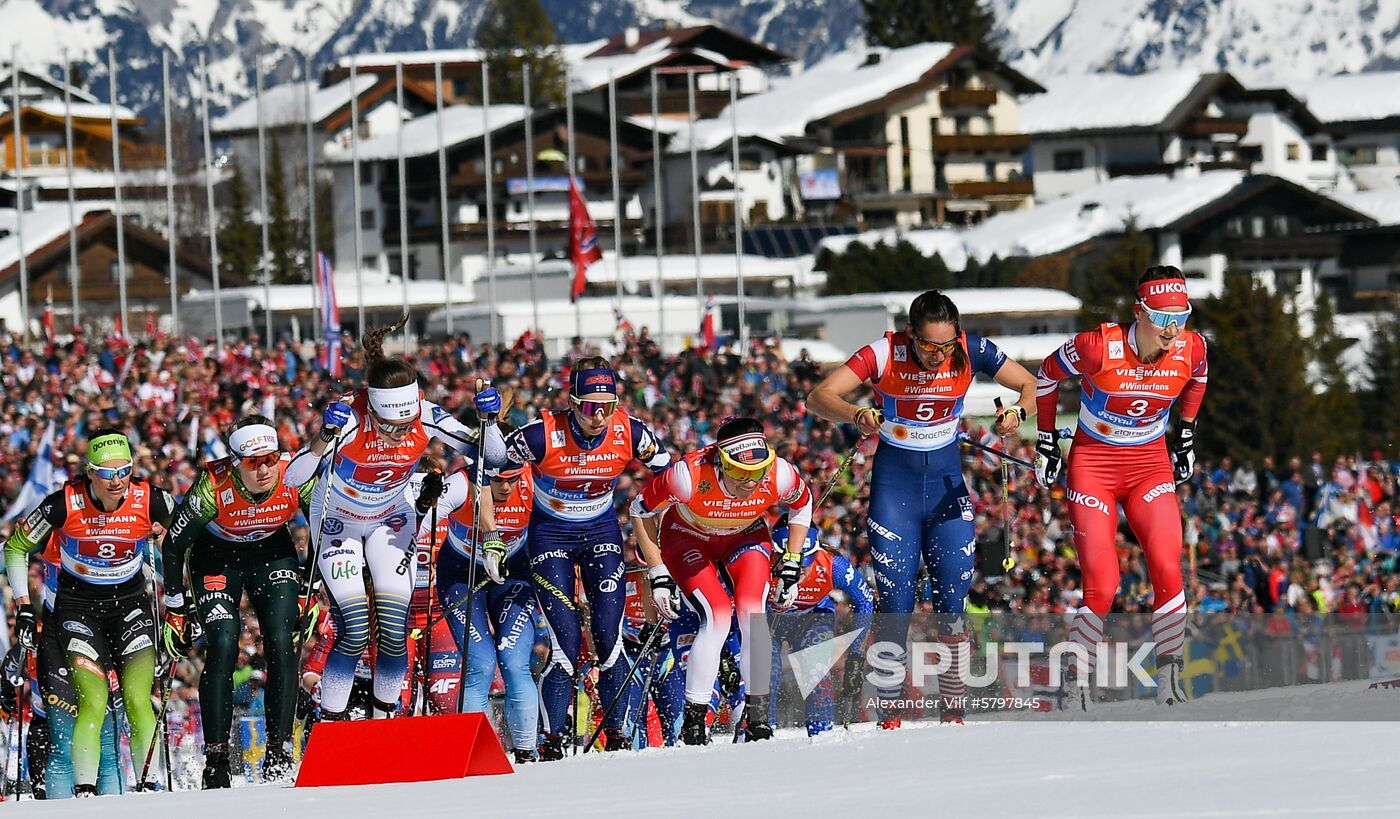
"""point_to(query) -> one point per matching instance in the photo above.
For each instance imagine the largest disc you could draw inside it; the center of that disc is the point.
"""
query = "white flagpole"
(355, 174)
(170, 219)
(403, 211)
(616, 188)
(209, 195)
(117, 190)
(657, 213)
(530, 197)
(19, 197)
(569, 129)
(262, 207)
(73, 273)
(738, 223)
(442, 198)
(695, 200)
(311, 199)
(490, 210)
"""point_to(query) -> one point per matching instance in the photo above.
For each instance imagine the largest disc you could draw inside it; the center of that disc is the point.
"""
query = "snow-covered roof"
(1090, 102)
(1351, 97)
(42, 225)
(285, 105)
(588, 74)
(81, 110)
(836, 84)
(1150, 201)
(460, 123)
(428, 57)
(1382, 204)
(381, 290)
(971, 301)
(946, 242)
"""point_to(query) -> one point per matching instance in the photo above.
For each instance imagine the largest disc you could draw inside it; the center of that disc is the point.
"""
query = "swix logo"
(1087, 500)
(1071, 352)
(1158, 491)
(1161, 288)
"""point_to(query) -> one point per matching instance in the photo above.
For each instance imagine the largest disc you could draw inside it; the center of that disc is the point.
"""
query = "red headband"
(1164, 294)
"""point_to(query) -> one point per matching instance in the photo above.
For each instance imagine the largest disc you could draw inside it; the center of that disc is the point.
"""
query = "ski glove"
(175, 635)
(1183, 452)
(664, 593)
(309, 613)
(493, 553)
(428, 493)
(1048, 460)
(27, 627)
(488, 402)
(789, 577)
(334, 419)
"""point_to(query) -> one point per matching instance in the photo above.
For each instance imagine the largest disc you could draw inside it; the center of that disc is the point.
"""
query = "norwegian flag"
(330, 318)
(47, 321)
(707, 326)
(623, 325)
(583, 241)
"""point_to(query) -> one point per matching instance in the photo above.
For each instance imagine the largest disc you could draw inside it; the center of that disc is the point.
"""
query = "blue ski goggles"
(110, 474)
(1165, 318)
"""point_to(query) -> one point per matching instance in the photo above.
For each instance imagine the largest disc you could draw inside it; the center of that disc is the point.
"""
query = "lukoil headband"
(1164, 294)
(395, 404)
(591, 382)
(255, 439)
(110, 447)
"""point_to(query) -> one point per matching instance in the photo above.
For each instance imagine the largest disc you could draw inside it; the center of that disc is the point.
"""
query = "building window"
(906, 169)
(367, 220)
(1280, 225)
(933, 126)
(369, 263)
(1294, 152)
(1069, 160)
(991, 169)
(960, 125)
(1234, 226)
(1250, 153)
(1357, 155)
(1319, 152)
(1256, 227)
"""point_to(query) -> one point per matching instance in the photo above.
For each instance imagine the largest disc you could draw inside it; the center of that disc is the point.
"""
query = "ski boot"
(525, 756)
(1171, 689)
(216, 767)
(756, 725)
(277, 764)
(145, 787)
(552, 747)
(84, 791)
(694, 731)
(614, 739)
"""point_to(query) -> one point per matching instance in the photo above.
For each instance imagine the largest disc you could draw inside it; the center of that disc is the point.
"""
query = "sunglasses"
(268, 459)
(932, 346)
(117, 474)
(394, 429)
(591, 408)
(512, 477)
(1165, 319)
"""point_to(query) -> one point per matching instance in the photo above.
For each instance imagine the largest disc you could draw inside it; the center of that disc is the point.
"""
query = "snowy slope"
(982, 769)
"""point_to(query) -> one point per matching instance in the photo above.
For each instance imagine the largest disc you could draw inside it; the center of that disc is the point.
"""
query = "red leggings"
(746, 557)
(1101, 477)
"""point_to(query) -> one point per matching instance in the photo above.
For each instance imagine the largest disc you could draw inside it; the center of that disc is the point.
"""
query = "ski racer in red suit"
(1129, 379)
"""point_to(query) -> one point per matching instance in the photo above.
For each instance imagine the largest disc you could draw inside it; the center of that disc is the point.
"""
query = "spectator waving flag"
(330, 317)
(40, 482)
(583, 241)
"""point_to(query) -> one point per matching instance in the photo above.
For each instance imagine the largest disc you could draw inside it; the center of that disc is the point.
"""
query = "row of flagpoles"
(584, 247)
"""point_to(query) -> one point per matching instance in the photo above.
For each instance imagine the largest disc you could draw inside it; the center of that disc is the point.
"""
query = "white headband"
(255, 439)
(395, 404)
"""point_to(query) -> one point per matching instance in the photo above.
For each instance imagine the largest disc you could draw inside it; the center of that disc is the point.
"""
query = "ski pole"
(622, 690)
(168, 678)
(471, 569)
(831, 482)
(1006, 560)
(425, 655)
(314, 556)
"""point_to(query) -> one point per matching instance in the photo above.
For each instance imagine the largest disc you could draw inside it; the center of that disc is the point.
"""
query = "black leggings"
(219, 577)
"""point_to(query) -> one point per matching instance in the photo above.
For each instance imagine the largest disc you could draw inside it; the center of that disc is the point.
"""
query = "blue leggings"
(502, 632)
(557, 547)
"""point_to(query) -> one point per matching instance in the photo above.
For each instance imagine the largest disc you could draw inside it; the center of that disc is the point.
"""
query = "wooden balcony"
(967, 97)
(984, 189)
(980, 143)
(1210, 126)
(707, 103)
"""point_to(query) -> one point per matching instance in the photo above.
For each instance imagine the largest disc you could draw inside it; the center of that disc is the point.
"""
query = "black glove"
(1048, 460)
(729, 677)
(789, 578)
(27, 628)
(852, 681)
(177, 634)
(1183, 452)
(429, 493)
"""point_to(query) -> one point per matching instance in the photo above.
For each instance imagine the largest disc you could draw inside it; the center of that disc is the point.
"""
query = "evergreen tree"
(1257, 402)
(897, 23)
(283, 232)
(1335, 403)
(864, 269)
(514, 33)
(1108, 290)
(1382, 425)
(240, 240)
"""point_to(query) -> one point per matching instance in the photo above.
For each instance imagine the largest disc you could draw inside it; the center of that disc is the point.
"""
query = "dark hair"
(593, 362)
(735, 427)
(104, 431)
(932, 307)
(1159, 272)
(383, 372)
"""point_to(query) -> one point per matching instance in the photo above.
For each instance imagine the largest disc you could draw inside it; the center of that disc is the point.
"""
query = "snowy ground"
(985, 768)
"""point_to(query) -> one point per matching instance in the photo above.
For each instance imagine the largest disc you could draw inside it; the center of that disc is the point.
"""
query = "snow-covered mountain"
(1260, 40)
